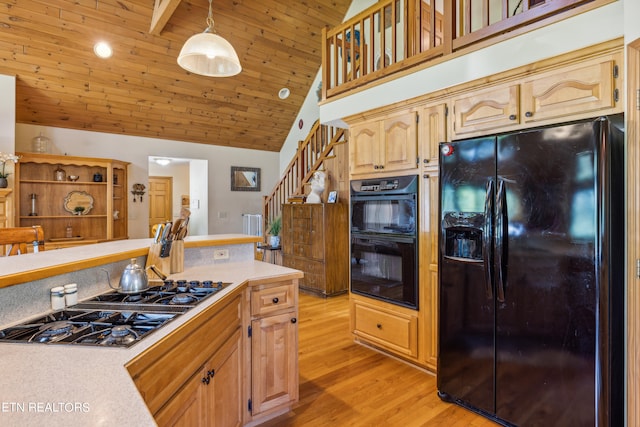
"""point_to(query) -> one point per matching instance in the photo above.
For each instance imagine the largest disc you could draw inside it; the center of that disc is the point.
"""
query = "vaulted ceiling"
(141, 90)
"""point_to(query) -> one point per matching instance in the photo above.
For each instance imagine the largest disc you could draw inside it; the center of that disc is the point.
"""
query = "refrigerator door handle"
(487, 254)
(500, 243)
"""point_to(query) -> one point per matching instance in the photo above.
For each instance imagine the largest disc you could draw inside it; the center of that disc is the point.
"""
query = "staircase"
(309, 158)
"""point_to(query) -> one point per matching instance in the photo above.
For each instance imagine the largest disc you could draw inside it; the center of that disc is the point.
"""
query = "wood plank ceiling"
(141, 90)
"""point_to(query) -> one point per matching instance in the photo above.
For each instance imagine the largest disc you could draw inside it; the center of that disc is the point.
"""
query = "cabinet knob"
(294, 320)
(528, 114)
(426, 160)
(205, 380)
(381, 167)
(425, 176)
(512, 117)
(379, 325)
(211, 373)
(275, 300)
(376, 167)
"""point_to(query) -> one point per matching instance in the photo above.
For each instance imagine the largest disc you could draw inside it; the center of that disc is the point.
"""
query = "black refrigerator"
(531, 275)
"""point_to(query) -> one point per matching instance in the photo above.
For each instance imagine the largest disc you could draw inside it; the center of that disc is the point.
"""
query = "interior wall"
(7, 113)
(223, 207)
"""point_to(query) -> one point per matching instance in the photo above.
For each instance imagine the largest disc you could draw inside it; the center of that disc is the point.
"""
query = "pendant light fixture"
(208, 54)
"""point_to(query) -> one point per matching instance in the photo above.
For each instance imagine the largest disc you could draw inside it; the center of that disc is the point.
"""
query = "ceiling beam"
(162, 11)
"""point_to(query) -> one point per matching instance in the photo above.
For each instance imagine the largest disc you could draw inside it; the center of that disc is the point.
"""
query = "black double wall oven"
(384, 246)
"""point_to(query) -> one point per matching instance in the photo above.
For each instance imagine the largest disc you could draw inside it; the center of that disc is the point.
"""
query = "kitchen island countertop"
(66, 385)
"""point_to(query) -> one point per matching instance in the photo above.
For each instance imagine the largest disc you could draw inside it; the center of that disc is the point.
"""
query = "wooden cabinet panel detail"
(559, 94)
(486, 110)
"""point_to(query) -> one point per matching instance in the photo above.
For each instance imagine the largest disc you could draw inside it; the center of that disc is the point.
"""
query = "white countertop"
(65, 385)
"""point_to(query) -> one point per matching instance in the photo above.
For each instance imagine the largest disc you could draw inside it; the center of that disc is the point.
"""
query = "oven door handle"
(383, 238)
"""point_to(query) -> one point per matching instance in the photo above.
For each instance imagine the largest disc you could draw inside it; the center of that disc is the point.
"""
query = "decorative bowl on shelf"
(73, 178)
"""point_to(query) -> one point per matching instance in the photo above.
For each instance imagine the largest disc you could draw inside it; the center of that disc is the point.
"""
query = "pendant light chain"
(210, 20)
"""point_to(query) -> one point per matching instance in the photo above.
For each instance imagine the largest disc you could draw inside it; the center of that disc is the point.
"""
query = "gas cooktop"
(113, 319)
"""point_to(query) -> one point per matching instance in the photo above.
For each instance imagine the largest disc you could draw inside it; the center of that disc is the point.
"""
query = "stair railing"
(310, 155)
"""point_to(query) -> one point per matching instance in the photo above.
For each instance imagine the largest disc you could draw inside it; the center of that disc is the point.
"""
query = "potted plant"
(4, 158)
(274, 231)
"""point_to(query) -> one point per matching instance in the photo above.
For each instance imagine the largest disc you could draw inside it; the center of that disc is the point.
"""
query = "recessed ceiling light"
(103, 50)
(163, 162)
(284, 93)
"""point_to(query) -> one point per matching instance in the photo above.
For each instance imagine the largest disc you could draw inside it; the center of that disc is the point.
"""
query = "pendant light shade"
(208, 54)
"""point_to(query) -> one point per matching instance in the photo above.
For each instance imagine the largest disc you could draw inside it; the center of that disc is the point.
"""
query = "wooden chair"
(17, 239)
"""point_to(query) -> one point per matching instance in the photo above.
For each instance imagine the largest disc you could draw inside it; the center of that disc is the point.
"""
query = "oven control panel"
(380, 186)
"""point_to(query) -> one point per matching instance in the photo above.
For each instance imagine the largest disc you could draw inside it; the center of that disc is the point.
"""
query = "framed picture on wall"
(245, 179)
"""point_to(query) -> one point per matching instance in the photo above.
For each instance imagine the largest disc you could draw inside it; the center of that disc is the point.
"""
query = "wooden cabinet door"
(223, 402)
(274, 348)
(400, 143)
(433, 131)
(211, 397)
(577, 90)
(429, 267)
(482, 111)
(186, 407)
(364, 147)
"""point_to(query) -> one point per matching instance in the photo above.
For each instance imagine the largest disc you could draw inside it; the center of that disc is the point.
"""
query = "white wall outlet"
(221, 254)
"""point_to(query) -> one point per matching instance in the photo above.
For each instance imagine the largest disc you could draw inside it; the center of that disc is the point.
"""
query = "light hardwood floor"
(346, 384)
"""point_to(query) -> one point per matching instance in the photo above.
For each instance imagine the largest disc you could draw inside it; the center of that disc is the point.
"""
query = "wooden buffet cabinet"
(315, 240)
(45, 196)
(235, 363)
(576, 86)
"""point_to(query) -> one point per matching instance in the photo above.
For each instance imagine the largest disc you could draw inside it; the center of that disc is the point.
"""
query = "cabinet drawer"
(395, 331)
(271, 299)
(301, 250)
(301, 212)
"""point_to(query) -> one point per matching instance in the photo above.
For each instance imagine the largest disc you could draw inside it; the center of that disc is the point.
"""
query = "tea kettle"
(134, 279)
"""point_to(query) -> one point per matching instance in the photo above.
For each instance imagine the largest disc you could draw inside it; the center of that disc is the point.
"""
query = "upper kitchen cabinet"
(75, 199)
(569, 91)
(432, 131)
(388, 144)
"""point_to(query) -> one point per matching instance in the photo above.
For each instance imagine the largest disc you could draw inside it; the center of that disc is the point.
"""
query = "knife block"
(177, 256)
(153, 258)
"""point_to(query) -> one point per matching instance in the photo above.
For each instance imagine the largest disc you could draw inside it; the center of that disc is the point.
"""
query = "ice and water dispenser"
(463, 233)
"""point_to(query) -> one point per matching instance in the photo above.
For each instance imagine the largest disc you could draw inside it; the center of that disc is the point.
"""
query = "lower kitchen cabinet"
(193, 376)
(274, 348)
(235, 363)
(383, 325)
(211, 397)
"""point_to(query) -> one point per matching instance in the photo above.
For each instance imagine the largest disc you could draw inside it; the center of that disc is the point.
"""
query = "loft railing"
(311, 153)
(394, 35)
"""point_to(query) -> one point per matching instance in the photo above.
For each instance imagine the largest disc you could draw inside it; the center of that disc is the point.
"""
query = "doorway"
(183, 172)
(160, 200)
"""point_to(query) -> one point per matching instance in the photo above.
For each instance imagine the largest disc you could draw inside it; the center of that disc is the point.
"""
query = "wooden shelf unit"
(35, 175)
